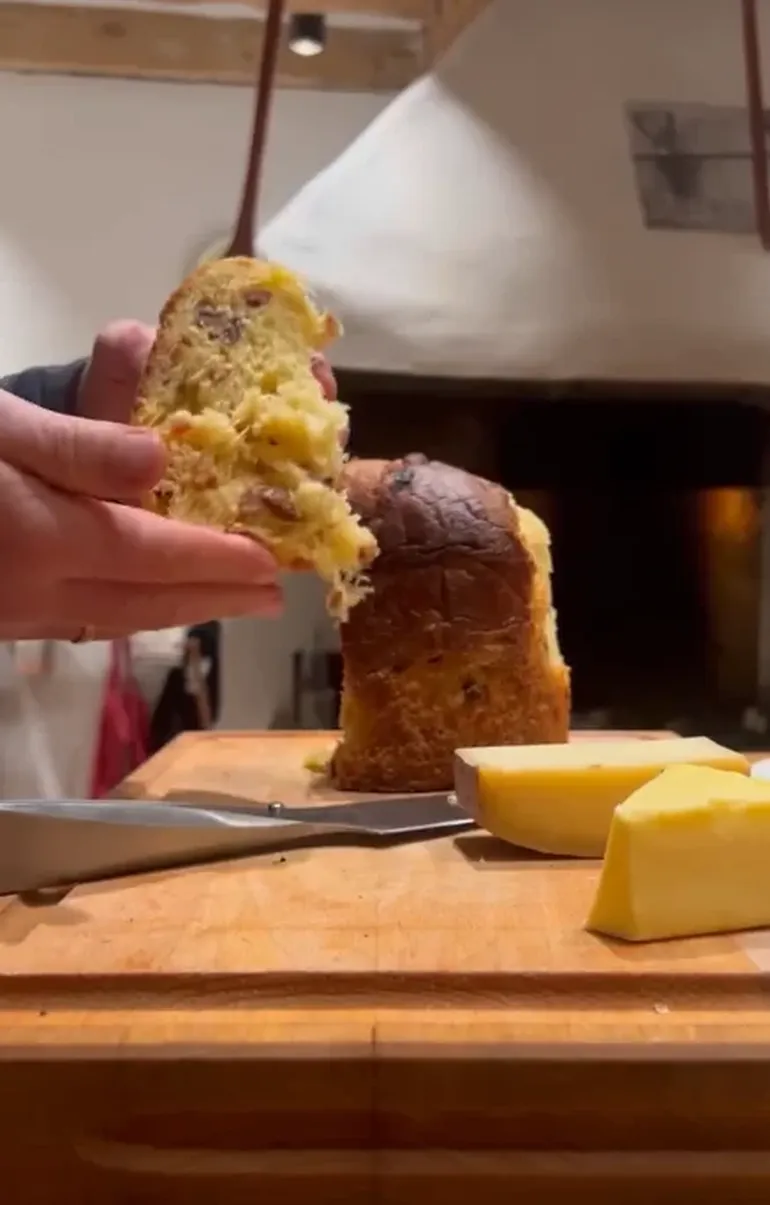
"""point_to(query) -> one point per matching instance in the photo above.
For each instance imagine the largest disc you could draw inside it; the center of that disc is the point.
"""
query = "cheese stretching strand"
(688, 854)
(254, 446)
(560, 799)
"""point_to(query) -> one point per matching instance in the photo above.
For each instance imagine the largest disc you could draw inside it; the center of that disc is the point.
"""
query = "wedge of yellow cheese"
(559, 799)
(688, 854)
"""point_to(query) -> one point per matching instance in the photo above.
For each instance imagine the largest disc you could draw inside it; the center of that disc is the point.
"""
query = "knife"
(53, 844)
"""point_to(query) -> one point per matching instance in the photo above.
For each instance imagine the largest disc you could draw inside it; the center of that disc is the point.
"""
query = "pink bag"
(122, 740)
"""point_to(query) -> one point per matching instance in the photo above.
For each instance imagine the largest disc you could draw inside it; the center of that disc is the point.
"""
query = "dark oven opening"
(654, 498)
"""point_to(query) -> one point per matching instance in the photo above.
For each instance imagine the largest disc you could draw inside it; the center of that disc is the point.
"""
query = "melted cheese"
(560, 799)
(688, 854)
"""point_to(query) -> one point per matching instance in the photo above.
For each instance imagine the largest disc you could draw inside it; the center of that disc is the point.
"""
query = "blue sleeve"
(52, 388)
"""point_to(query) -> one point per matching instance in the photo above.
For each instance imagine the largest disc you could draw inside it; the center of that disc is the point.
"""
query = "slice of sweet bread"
(254, 446)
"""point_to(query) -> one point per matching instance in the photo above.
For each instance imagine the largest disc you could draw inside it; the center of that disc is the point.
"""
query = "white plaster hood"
(487, 222)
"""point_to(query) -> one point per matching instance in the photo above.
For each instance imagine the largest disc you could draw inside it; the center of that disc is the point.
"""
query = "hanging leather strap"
(756, 111)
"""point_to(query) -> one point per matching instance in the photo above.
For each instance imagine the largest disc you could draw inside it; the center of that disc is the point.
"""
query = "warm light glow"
(729, 522)
(306, 47)
(731, 513)
(307, 34)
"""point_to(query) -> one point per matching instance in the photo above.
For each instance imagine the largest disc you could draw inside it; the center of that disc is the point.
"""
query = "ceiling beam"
(134, 43)
(401, 10)
(447, 21)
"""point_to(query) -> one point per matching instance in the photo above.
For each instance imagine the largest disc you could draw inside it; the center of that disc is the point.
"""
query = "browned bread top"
(458, 536)
(422, 508)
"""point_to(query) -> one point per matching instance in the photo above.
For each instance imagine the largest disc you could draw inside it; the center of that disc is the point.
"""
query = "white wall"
(488, 223)
(108, 189)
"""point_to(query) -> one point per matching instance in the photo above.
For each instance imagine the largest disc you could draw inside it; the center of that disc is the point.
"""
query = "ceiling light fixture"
(307, 34)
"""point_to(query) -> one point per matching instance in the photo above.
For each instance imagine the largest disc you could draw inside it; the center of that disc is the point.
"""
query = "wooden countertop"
(249, 1023)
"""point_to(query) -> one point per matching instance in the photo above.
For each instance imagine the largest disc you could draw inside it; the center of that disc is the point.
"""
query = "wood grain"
(367, 1025)
(416, 11)
(136, 43)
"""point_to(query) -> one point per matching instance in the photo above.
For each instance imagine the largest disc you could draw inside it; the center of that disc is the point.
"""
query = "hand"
(81, 561)
(72, 560)
(325, 377)
(111, 377)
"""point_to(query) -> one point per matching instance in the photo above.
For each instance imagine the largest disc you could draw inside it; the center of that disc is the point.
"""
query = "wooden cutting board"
(271, 1022)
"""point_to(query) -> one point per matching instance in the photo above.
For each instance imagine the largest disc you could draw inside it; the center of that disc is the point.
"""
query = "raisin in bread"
(456, 645)
(253, 444)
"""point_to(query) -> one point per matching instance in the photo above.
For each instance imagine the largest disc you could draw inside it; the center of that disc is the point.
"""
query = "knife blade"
(52, 844)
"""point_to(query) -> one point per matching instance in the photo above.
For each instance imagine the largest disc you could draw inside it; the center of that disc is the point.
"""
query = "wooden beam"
(448, 20)
(133, 43)
(400, 10)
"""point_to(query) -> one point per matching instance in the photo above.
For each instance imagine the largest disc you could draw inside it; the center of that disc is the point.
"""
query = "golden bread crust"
(253, 444)
(456, 644)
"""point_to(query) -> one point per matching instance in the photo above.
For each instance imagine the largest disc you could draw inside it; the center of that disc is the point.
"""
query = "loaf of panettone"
(456, 644)
(254, 446)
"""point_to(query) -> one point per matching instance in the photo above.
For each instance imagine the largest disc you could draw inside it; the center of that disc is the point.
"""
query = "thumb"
(81, 456)
(109, 384)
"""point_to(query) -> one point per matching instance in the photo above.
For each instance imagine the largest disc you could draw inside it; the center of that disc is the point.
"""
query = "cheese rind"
(688, 855)
(560, 799)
